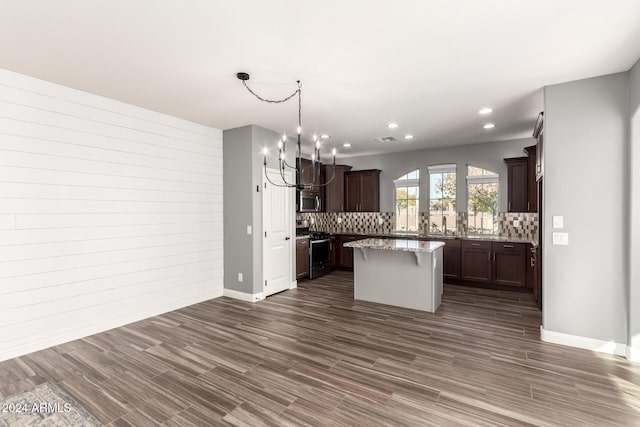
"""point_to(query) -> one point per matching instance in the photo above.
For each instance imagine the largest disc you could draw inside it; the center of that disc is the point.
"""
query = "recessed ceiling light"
(392, 125)
(485, 110)
(346, 145)
(408, 137)
(324, 136)
(489, 126)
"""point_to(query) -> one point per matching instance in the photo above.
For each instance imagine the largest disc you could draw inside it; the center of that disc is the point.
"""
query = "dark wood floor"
(314, 356)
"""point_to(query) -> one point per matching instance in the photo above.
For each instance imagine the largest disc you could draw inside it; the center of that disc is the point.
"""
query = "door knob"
(287, 238)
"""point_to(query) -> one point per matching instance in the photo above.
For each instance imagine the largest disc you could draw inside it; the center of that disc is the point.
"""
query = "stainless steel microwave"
(309, 201)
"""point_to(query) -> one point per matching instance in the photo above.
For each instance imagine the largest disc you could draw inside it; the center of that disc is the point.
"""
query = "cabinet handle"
(508, 246)
(475, 244)
(533, 262)
(528, 206)
(494, 257)
(489, 253)
(509, 208)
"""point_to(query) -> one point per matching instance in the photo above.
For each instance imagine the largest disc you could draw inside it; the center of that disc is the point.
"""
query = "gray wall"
(634, 217)
(243, 166)
(586, 132)
(488, 155)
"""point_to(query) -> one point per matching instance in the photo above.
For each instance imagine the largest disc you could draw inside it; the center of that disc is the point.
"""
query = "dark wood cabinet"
(532, 183)
(302, 258)
(362, 191)
(476, 261)
(333, 251)
(346, 254)
(534, 274)
(517, 185)
(498, 263)
(509, 264)
(451, 259)
(334, 190)
(309, 174)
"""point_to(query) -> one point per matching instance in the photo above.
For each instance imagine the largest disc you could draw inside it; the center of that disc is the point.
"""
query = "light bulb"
(284, 137)
(333, 152)
(280, 145)
(313, 157)
(299, 130)
(315, 137)
(318, 145)
(265, 151)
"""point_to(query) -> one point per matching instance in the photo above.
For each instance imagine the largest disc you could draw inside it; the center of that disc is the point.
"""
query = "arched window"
(407, 198)
(442, 199)
(482, 200)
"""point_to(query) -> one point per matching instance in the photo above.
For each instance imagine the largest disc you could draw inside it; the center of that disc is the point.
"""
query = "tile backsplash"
(384, 222)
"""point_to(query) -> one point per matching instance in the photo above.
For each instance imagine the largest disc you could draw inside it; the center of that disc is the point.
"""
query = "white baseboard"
(51, 341)
(294, 284)
(633, 354)
(243, 296)
(586, 343)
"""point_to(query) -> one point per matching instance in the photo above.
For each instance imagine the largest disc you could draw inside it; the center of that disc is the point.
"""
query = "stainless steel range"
(319, 253)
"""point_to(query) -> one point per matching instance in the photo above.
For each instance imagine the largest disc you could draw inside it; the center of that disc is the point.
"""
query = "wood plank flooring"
(313, 356)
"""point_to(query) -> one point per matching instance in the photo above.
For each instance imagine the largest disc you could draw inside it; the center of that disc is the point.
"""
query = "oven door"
(319, 252)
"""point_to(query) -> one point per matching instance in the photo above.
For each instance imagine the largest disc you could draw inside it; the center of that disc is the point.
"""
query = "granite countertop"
(405, 245)
(415, 235)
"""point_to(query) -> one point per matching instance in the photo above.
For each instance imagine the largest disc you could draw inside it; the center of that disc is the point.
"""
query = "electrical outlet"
(380, 221)
(516, 223)
(240, 278)
(312, 220)
(339, 220)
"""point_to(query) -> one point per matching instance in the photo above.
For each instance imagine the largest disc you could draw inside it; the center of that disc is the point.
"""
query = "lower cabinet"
(499, 263)
(451, 259)
(476, 261)
(302, 258)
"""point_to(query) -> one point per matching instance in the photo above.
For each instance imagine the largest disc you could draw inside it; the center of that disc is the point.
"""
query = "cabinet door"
(517, 184)
(509, 264)
(370, 191)
(346, 254)
(352, 187)
(451, 259)
(333, 251)
(334, 190)
(476, 261)
(302, 258)
(532, 184)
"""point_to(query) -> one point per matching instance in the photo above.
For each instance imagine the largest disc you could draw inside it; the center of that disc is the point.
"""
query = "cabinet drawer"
(509, 248)
(476, 244)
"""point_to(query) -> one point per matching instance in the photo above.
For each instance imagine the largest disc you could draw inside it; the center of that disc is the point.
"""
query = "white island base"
(404, 273)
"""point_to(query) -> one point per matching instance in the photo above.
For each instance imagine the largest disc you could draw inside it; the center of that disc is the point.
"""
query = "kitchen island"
(401, 272)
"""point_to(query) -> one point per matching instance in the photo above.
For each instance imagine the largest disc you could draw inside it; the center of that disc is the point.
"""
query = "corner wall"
(109, 214)
(634, 217)
(585, 148)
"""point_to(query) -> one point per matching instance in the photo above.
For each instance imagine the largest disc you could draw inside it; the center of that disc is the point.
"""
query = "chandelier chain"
(272, 101)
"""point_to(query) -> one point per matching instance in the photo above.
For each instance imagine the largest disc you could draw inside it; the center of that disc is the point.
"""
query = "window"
(482, 200)
(407, 189)
(442, 199)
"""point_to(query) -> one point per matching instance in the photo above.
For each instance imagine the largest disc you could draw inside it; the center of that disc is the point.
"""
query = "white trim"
(105, 326)
(243, 296)
(601, 346)
(406, 182)
(483, 179)
(449, 168)
(633, 354)
(294, 284)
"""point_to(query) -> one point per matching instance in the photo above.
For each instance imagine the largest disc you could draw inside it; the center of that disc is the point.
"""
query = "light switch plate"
(558, 221)
(240, 278)
(560, 238)
(249, 229)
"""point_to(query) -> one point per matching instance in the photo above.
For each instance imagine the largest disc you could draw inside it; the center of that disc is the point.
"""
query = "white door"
(277, 224)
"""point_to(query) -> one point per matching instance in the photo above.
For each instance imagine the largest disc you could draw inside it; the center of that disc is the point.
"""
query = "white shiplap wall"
(109, 213)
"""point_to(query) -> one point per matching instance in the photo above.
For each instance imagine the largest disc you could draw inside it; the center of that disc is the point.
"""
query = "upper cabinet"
(362, 191)
(532, 184)
(334, 190)
(517, 185)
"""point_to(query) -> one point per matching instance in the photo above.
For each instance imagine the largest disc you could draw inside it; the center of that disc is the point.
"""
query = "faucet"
(444, 225)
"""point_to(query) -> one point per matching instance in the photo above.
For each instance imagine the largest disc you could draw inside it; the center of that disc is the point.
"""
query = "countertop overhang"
(404, 245)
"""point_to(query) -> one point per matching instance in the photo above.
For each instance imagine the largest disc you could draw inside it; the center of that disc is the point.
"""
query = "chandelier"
(283, 165)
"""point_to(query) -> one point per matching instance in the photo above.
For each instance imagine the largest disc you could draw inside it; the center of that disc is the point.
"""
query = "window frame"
(442, 169)
(403, 182)
(486, 178)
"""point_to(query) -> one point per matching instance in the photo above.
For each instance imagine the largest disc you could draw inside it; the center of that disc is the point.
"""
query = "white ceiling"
(427, 65)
